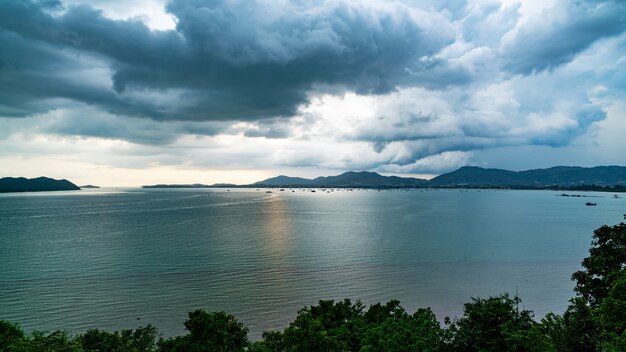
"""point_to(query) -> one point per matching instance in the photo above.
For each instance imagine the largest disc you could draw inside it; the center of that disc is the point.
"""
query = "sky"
(133, 92)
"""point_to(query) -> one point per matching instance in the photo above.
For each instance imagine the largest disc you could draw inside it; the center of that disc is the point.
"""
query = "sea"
(119, 258)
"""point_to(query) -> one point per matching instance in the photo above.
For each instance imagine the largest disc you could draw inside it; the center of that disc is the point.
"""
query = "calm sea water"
(116, 259)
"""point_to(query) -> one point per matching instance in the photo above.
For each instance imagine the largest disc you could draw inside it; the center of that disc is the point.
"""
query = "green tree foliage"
(13, 339)
(493, 324)
(209, 332)
(595, 318)
(140, 340)
(344, 326)
(604, 265)
(58, 341)
(326, 327)
(612, 316)
(581, 327)
(548, 336)
(399, 331)
(10, 334)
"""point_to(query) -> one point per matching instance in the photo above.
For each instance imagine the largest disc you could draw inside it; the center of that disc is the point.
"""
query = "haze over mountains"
(554, 176)
(468, 176)
(471, 176)
(347, 179)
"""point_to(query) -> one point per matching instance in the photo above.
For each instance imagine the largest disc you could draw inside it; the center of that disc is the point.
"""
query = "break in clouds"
(403, 87)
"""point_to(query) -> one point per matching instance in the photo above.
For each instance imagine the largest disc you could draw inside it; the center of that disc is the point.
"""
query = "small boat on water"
(589, 204)
(268, 191)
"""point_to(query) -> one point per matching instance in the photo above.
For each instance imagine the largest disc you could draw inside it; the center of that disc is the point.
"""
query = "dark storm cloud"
(81, 120)
(33, 71)
(561, 33)
(86, 121)
(232, 59)
(435, 81)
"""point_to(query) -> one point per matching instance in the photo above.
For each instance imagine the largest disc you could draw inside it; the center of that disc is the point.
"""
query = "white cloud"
(151, 12)
(412, 87)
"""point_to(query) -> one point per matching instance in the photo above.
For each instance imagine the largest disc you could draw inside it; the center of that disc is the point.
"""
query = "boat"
(591, 204)
(268, 191)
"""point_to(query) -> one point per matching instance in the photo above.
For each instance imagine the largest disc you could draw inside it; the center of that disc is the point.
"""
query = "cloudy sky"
(136, 92)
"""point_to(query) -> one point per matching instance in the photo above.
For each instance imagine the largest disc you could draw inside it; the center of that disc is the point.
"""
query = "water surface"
(120, 258)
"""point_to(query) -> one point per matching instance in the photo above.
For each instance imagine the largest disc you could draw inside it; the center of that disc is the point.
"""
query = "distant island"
(39, 184)
(600, 178)
(361, 179)
(88, 186)
(347, 179)
(559, 176)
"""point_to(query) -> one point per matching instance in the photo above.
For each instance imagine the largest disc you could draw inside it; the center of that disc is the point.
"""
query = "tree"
(492, 324)
(58, 341)
(581, 327)
(612, 316)
(10, 334)
(400, 332)
(142, 339)
(209, 332)
(604, 265)
(329, 326)
(343, 326)
(378, 313)
(595, 319)
(549, 335)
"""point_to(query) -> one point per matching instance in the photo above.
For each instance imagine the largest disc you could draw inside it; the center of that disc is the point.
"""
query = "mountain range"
(564, 176)
(347, 179)
(572, 177)
(468, 176)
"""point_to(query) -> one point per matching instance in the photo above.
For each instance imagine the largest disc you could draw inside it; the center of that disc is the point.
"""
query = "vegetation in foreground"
(594, 321)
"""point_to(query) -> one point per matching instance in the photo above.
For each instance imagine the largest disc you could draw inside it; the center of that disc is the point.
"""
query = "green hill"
(21, 184)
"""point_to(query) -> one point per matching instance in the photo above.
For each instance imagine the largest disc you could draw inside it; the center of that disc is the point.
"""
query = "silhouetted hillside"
(367, 179)
(347, 179)
(574, 177)
(564, 176)
(283, 180)
(21, 184)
